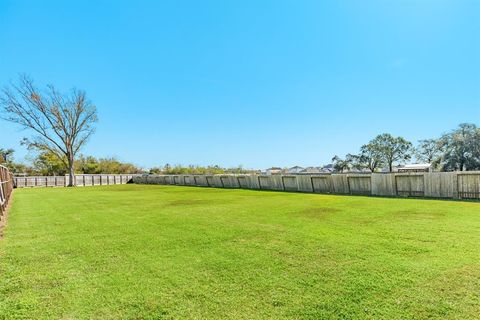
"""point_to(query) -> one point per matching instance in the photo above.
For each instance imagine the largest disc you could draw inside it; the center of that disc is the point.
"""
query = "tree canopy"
(460, 148)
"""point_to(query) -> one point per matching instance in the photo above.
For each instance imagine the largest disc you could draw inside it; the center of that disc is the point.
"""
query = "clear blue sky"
(257, 83)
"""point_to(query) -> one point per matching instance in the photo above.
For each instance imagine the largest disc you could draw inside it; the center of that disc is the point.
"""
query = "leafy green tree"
(48, 164)
(428, 150)
(391, 149)
(87, 165)
(340, 165)
(155, 170)
(113, 165)
(370, 157)
(460, 148)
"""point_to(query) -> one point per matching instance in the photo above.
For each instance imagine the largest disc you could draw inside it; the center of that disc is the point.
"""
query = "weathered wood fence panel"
(81, 180)
(383, 185)
(271, 182)
(304, 183)
(360, 184)
(456, 185)
(321, 184)
(410, 185)
(440, 185)
(253, 182)
(229, 181)
(242, 182)
(290, 183)
(6, 187)
(468, 186)
(200, 181)
(340, 184)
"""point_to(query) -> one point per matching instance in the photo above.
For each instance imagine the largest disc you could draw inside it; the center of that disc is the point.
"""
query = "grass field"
(155, 252)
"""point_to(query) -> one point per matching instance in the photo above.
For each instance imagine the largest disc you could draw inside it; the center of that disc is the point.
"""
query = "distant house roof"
(417, 167)
(294, 170)
(311, 170)
(274, 168)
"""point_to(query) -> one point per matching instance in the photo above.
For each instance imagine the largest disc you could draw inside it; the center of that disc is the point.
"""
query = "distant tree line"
(48, 164)
(191, 169)
(456, 150)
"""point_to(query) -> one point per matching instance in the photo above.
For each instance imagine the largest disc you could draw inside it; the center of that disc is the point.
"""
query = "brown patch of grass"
(317, 213)
(188, 202)
(417, 215)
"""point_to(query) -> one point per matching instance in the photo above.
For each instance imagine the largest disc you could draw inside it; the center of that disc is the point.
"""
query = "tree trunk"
(390, 166)
(71, 171)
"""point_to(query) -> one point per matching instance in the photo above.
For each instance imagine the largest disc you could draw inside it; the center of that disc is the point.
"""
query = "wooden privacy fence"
(81, 180)
(6, 186)
(454, 185)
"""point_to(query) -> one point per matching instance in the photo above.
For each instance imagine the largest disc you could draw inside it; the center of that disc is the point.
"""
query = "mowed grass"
(166, 252)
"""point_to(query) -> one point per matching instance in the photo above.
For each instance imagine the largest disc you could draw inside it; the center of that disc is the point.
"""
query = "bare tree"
(61, 123)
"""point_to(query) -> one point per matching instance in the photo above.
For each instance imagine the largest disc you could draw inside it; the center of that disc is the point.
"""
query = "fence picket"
(449, 185)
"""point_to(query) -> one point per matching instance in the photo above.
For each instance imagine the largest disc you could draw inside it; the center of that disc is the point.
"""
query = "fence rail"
(449, 185)
(81, 180)
(6, 187)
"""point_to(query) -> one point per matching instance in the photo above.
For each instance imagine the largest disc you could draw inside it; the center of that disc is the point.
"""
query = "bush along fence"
(451, 185)
(6, 186)
(81, 180)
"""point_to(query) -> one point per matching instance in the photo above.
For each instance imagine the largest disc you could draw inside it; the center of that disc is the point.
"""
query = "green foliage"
(384, 149)
(460, 148)
(371, 157)
(87, 164)
(390, 149)
(428, 150)
(153, 252)
(456, 150)
(178, 169)
(341, 165)
(7, 160)
(5, 155)
(48, 164)
(91, 165)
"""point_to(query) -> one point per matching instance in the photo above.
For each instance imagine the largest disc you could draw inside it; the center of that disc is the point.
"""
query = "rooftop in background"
(418, 167)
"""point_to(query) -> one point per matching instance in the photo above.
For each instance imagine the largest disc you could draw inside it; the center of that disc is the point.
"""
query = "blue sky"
(257, 83)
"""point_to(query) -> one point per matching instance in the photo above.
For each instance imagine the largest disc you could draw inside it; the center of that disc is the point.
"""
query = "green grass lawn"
(155, 252)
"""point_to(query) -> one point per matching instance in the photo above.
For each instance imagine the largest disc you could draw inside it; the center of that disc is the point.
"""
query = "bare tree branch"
(62, 123)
